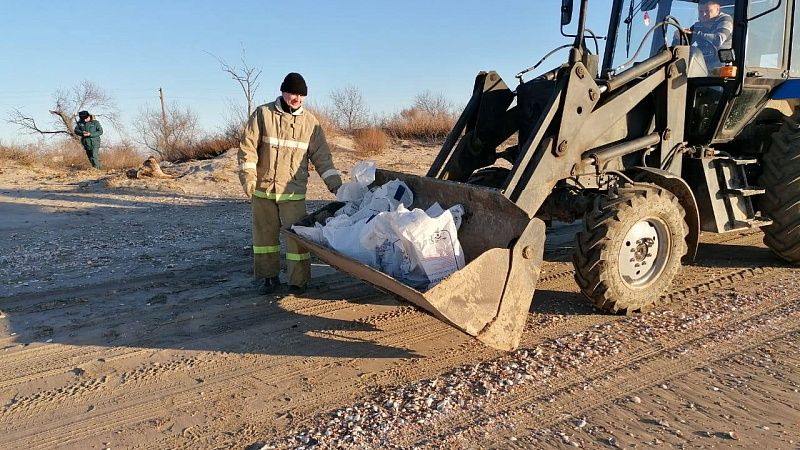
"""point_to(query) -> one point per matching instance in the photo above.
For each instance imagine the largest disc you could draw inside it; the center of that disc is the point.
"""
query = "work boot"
(296, 290)
(270, 285)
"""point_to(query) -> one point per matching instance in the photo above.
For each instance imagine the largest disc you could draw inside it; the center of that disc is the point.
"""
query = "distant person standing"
(279, 140)
(90, 131)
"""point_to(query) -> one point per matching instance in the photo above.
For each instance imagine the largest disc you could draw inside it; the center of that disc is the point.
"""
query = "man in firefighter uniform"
(279, 140)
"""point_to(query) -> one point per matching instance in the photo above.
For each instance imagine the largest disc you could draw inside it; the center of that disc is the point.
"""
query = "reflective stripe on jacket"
(277, 145)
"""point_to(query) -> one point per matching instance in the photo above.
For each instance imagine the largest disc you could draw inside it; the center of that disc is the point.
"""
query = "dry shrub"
(120, 156)
(20, 154)
(58, 154)
(233, 130)
(206, 148)
(167, 131)
(66, 154)
(370, 141)
(414, 123)
(325, 121)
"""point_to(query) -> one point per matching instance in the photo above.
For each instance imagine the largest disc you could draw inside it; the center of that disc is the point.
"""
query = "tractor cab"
(739, 55)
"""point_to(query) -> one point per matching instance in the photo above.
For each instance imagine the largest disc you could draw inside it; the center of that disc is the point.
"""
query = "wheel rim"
(644, 252)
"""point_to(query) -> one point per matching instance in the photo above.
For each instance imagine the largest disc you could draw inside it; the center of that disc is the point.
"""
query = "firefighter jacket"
(276, 148)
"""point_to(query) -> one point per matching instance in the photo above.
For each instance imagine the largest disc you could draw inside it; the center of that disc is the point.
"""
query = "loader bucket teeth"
(489, 298)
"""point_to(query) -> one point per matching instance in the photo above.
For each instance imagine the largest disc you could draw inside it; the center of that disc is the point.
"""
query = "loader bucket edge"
(505, 331)
(457, 301)
(488, 298)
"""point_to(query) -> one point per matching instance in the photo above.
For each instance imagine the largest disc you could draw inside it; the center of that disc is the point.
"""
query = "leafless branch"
(246, 76)
(348, 109)
(28, 123)
(433, 104)
(66, 104)
(166, 140)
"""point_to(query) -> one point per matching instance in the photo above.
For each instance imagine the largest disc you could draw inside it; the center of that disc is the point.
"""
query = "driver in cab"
(711, 32)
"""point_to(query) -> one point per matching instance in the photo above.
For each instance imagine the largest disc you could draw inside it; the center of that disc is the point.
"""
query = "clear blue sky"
(391, 51)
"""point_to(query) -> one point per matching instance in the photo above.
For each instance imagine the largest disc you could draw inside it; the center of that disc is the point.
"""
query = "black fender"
(680, 189)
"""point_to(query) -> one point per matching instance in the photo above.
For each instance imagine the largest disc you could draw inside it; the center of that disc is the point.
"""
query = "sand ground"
(129, 320)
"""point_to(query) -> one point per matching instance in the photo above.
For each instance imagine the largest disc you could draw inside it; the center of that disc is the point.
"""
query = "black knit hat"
(83, 114)
(294, 84)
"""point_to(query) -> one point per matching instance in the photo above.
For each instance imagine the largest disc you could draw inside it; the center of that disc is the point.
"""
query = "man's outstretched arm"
(721, 33)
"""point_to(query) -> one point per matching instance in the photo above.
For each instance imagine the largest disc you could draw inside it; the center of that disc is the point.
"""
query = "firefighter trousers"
(268, 217)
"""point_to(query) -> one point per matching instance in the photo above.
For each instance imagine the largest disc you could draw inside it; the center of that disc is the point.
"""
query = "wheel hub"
(643, 252)
(642, 249)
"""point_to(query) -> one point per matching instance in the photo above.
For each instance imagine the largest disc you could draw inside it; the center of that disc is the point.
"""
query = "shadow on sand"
(212, 307)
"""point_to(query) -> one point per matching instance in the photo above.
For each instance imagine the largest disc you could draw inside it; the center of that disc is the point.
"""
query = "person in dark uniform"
(90, 130)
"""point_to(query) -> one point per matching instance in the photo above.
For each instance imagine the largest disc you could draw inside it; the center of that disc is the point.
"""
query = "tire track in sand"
(640, 365)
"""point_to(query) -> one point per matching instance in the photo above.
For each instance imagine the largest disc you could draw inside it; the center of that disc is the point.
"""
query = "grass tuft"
(370, 141)
(414, 123)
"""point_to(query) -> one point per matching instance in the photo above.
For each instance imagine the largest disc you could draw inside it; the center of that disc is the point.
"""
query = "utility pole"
(163, 110)
(163, 118)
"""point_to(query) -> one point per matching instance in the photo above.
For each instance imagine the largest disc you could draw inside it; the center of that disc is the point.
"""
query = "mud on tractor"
(658, 144)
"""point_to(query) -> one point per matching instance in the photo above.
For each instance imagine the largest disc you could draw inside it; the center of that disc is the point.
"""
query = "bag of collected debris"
(313, 234)
(341, 234)
(395, 256)
(391, 257)
(435, 210)
(430, 242)
(352, 193)
(384, 199)
(418, 248)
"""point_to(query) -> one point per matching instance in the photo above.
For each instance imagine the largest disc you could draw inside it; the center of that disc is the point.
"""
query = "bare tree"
(433, 104)
(348, 109)
(168, 135)
(67, 102)
(235, 120)
(246, 76)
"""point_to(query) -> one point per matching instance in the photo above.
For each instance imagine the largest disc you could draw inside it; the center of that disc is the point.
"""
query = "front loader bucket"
(489, 298)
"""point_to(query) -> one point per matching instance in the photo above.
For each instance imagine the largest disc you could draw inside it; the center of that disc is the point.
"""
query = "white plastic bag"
(383, 199)
(457, 210)
(431, 243)
(344, 239)
(338, 222)
(418, 248)
(391, 255)
(352, 193)
(313, 234)
(379, 236)
(364, 172)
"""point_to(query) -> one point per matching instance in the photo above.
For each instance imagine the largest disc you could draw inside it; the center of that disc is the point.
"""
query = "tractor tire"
(781, 202)
(631, 248)
(492, 177)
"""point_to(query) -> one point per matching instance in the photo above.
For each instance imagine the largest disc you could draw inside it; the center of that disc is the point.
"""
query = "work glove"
(335, 184)
(248, 180)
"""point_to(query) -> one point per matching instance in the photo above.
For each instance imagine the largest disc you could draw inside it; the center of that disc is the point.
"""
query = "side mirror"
(566, 12)
(726, 55)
